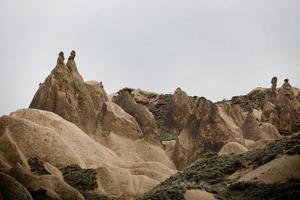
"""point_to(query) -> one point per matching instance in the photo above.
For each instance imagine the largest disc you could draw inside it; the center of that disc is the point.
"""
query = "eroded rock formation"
(65, 93)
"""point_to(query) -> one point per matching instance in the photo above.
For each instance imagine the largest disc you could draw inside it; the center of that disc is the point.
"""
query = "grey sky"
(215, 49)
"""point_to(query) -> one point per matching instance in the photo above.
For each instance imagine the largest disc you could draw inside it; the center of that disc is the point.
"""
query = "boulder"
(196, 194)
(269, 131)
(232, 148)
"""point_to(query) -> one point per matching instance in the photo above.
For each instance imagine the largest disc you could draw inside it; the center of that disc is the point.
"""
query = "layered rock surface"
(196, 125)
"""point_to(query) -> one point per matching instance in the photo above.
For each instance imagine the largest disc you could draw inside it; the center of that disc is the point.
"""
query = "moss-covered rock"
(82, 179)
(210, 173)
(289, 190)
(95, 196)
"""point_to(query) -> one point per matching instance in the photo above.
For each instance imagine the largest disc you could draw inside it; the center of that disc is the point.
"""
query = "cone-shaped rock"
(65, 93)
(179, 110)
(250, 128)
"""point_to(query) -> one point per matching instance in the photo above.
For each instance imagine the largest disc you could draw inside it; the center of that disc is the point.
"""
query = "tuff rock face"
(195, 124)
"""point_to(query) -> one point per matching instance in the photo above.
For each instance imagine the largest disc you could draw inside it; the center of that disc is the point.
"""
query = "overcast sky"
(211, 48)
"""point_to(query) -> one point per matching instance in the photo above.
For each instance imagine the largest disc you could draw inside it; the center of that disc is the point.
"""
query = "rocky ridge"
(74, 142)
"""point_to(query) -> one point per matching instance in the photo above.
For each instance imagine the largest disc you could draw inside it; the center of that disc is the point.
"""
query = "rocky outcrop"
(65, 93)
(269, 131)
(114, 119)
(283, 109)
(205, 131)
(141, 113)
(30, 133)
(232, 148)
(179, 111)
(270, 114)
(288, 108)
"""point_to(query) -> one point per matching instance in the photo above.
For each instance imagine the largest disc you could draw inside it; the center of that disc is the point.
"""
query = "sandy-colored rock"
(233, 116)
(59, 143)
(97, 94)
(141, 114)
(257, 114)
(278, 170)
(250, 128)
(196, 194)
(288, 108)
(283, 109)
(270, 114)
(55, 187)
(207, 130)
(269, 131)
(258, 144)
(232, 147)
(114, 119)
(183, 153)
(169, 147)
(144, 97)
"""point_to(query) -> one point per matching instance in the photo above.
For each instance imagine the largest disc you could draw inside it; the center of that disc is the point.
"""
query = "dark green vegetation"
(210, 172)
(289, 190)
(85, 180)
(81, 179)
(37, 166)
(165, 193)
(167, 136)
(94, 196)
(255, 99)
(288, 145)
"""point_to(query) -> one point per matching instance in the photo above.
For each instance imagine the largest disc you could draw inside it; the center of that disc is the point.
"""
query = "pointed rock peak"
(61, 58)
(179, 111)
(250, 128)
(286, 91)
(179, 91)
(65, 93)
(180, 95)
(274, 84)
